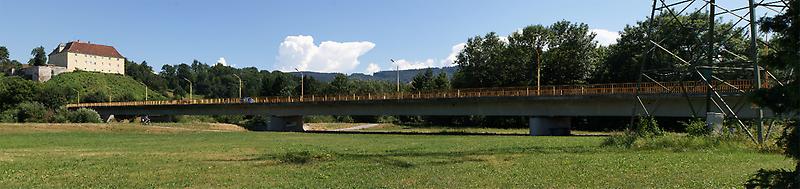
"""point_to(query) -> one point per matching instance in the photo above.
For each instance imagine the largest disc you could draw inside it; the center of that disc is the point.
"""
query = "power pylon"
(707, 51)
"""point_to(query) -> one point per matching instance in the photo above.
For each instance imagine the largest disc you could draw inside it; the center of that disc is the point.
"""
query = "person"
(145, 120)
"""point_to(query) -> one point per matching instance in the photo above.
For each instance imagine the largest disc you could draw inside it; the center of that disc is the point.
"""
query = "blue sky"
(361, 34)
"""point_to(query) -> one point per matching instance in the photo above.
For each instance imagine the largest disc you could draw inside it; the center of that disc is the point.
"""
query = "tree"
(3, 54)
(564, 51)
(441, 81)
(570, 55)
(15, 90)
(785, 55)
(423, 81)
(144, 74)
(341, 84)
(5, 63)
(483, 63)
(684, 37)
(39, 57)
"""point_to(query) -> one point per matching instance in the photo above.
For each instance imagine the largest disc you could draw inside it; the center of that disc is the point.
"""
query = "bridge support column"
(714, 122)
(107, 118)
(285, 123)
(550, 126)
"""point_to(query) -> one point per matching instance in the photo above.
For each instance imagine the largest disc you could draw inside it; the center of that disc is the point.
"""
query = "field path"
(356, 127)
(188, 129)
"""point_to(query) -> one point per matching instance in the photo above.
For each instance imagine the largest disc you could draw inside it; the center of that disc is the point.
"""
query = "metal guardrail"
(676, 88)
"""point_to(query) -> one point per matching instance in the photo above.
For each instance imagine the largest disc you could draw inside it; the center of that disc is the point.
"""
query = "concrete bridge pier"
(107, 118)
(285, 123)
(550, 126)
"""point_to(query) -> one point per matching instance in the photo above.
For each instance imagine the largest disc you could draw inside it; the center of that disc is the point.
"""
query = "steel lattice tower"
(706, 53)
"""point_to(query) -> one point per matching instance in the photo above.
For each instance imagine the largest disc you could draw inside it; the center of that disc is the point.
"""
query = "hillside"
(92, 85)
(405, 75)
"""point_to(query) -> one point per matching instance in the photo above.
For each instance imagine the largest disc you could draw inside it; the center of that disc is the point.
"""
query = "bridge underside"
(541, 108)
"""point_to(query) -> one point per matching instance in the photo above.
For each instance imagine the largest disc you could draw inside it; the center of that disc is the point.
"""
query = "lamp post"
(538, 71)
(302, 83)
(240, 85)
(109, 92)
(397, 70)
(538, 65)
(190, 88)
(78, 97)
(145, 90)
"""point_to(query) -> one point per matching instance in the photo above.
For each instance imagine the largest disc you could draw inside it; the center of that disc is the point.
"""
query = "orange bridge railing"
(670, 88)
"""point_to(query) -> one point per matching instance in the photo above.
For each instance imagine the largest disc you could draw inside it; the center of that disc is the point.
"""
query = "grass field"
(207, 155)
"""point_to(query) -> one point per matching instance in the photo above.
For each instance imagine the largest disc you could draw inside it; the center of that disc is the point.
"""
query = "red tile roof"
(88, 48)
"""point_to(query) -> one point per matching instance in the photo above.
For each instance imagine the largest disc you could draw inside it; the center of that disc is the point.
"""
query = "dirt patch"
(114, 127)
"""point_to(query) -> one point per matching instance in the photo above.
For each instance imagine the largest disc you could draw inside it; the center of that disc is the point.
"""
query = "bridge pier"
(550, 126)
(285, 123)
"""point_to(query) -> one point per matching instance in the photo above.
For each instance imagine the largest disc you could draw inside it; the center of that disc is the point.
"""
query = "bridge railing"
(671, 88)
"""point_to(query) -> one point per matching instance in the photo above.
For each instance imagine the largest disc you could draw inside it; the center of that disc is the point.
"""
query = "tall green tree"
(39, 57)
(570, 58)
(3, 54)
(423, 81)
(684, 35)
(785, 55)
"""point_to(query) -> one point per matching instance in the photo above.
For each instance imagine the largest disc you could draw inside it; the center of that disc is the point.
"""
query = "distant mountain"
(405, 75)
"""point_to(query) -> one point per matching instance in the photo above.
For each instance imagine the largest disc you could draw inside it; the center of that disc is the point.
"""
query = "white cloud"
(222, 61)
(372, 68)
(406, 65)
(329, 56)
(454, 51)
(431, 63)
(605, 37)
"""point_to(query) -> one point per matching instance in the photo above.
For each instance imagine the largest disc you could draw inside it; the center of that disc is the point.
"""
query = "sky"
(347, 36)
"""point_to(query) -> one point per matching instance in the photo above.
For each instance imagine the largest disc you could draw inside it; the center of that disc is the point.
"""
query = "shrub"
(31, 112)
(8, 116)
(61, 116)
(696, 127)
(85, 115)
(647, 127)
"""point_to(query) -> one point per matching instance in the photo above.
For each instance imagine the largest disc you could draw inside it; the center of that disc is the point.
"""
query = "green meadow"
(220, 156)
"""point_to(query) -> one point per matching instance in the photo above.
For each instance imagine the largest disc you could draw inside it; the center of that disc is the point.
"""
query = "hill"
(405, 75)
(95, 86)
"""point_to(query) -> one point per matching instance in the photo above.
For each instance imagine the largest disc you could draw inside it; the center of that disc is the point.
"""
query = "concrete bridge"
(550, 108)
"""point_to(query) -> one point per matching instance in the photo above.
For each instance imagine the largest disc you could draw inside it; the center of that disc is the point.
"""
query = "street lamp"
(145, 90)
(302, 83)
(109, 92)
(240, 85)
(78, 97)
(398, 74)
(190, 88)
(538, 64)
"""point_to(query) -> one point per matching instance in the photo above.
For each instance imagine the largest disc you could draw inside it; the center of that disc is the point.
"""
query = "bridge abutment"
(285, 123)
(549, 126)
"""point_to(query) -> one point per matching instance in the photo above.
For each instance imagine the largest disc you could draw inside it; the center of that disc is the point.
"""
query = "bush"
(696, 127)
(61, 116)
(8, 116)
(678, 142)
(85, 115)
(30, 112)
(647, 127)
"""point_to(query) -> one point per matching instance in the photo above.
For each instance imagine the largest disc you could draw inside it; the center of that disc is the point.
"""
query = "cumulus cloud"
(605, 37)
(406, 64)
(222, 61)
(329, 56)
(454, 51)
(430, 63)
(372, 68)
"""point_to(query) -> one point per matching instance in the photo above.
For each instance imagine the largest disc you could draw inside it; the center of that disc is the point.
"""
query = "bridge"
(550, 108)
